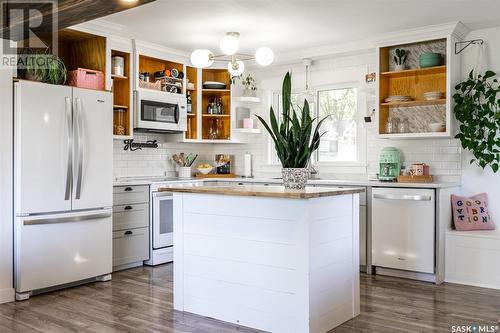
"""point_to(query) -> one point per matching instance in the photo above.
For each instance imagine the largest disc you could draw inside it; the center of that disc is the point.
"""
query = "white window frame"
(361, 131)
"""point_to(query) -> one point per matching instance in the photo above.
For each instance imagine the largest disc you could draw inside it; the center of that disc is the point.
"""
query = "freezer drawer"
(403, 229)
(130, 246)
(52, 250)
(130, 216)
(124, 195)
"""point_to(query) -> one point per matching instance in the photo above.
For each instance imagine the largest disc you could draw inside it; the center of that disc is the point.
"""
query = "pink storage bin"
(86, 78)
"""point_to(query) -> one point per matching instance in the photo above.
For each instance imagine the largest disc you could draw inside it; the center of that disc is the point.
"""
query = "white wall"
(474, 179)
(6, 227)
(443, 155)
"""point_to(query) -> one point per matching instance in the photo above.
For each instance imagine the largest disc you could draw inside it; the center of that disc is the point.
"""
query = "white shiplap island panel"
(275, 264)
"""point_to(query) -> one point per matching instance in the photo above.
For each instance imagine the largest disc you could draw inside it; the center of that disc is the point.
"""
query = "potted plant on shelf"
(249, 86)
(400, 59)
(42, 67)
(295, 138)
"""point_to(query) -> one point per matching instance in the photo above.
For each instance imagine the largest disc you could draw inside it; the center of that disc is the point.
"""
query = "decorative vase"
(249, 93)
(295, 178)
(400, 67)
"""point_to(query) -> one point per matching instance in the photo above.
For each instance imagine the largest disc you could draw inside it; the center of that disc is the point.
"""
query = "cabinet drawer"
(129, 246)
(130, 216)
(124, 195)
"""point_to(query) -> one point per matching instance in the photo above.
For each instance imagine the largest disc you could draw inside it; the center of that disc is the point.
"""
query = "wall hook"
(467, 44)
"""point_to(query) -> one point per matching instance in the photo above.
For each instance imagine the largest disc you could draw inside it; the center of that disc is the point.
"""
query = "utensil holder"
(184, 172)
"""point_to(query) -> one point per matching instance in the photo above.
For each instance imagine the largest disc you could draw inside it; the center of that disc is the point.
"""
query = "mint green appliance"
(390, 164)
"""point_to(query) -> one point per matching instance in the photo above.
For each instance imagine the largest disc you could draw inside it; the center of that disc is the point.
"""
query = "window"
(340, 143)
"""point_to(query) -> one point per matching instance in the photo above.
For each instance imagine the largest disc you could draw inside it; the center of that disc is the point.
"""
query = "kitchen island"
(267, 258)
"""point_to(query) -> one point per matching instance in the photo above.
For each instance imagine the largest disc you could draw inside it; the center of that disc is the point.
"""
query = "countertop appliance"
(390, 164)
(63, 176)
(403, 229)
(158, 111)
(162, 222)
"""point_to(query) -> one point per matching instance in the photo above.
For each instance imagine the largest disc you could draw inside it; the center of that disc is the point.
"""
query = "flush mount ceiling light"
(229, 46)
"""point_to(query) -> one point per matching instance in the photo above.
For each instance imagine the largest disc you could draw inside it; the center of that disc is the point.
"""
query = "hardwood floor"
(140, 300)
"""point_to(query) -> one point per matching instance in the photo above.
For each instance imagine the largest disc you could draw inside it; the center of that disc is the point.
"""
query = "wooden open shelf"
(82, 50)
(215, 115)
(192, 121)
(416, 71)
(152, 65)
(221, 91)
(414, 103)
(411, 82)
(121, 98)
(118, 77)
(223, 121)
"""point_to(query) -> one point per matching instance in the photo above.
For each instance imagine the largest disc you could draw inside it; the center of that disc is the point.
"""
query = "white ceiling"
(289, 26)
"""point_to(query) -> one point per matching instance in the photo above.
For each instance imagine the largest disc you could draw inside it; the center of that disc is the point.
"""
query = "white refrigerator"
(63, 174)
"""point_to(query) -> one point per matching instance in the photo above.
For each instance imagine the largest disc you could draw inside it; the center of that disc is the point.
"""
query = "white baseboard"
(7, 295)
(473, 283)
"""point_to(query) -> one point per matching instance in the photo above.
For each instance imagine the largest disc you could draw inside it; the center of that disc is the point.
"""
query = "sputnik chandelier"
(229, 45)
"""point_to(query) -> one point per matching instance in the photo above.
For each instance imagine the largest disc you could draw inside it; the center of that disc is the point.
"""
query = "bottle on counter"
(189, 102)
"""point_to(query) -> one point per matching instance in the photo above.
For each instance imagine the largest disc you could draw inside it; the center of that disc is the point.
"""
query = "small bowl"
(205, 171)
(437, 127)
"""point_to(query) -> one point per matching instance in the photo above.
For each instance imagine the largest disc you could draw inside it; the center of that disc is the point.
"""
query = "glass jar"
(395, 124)
(404, 125)
(389, 126)
(119, 124)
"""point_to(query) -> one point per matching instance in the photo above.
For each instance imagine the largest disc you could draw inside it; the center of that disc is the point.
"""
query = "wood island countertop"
(266, 191)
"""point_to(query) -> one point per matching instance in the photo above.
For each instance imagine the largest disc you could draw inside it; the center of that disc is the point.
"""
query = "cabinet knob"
(128, 232)
(128, 189)
(128, 207)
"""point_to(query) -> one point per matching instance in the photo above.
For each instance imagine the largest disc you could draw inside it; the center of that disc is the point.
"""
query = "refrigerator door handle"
(79, 172)
(69, 170)
(67, 219)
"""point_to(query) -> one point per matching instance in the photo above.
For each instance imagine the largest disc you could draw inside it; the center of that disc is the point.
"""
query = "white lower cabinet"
(130, 246)
(403, 229)
(130, 226)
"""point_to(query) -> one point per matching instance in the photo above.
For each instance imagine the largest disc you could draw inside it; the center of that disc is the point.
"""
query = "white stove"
(161, 218)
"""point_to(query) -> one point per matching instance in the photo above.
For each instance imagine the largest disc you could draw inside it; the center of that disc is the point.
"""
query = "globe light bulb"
(236, 68)
(264, 56)
(229, 44)
(202, 58)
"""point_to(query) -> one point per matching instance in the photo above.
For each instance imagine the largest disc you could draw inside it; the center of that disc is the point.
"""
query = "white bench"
(473, 258)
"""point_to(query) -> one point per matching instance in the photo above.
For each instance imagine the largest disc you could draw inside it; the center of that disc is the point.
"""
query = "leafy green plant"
(294, 137)
(400, 57)
(477, 108)
(248, 82)
(43, 67)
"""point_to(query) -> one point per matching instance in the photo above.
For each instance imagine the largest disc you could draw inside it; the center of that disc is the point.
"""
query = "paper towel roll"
(248, 165)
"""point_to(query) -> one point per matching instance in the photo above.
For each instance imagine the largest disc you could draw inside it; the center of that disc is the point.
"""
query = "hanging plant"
(478, 110)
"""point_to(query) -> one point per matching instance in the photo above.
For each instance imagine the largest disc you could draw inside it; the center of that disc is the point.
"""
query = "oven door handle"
(163, 195)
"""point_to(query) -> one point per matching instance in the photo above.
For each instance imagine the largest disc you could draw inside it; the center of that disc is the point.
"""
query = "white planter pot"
(295, 178)
(400, 67)
(249, 93)
(185, 172)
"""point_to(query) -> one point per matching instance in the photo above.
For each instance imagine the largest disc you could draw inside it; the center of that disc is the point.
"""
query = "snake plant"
(295, 137)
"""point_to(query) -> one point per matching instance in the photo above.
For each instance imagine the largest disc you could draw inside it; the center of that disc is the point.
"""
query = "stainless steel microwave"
(160, 112)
